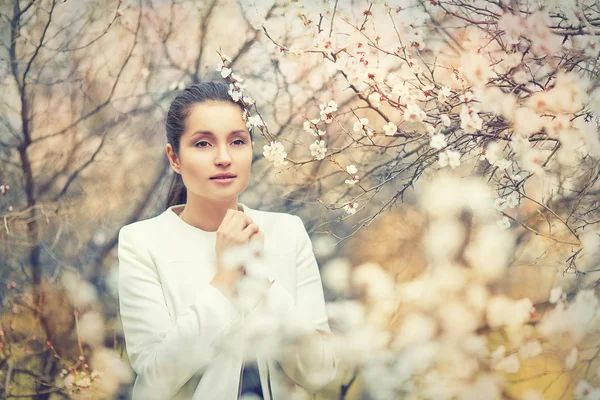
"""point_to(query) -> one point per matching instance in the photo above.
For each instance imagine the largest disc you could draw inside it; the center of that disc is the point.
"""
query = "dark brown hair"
(175, 123)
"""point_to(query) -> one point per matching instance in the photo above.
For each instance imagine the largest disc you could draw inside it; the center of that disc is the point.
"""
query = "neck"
(206, 214)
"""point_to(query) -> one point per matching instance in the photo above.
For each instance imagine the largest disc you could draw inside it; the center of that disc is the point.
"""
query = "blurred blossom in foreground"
(438, 336)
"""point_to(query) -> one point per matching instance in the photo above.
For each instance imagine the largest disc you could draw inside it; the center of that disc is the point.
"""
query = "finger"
(257, 235)
(232, 223)
(226, 220)
(241, 221)
(249, 231)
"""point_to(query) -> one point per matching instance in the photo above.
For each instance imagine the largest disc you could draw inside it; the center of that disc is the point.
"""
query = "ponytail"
(177, 192)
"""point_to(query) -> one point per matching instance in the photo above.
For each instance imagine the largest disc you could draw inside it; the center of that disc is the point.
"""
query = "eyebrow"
(209, 133)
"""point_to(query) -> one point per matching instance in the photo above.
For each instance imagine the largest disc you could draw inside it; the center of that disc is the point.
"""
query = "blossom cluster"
(274, 151)
(432, 337)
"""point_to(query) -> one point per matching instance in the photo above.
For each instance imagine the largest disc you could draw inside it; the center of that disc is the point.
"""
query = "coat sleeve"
(164, 353)
(311, 363)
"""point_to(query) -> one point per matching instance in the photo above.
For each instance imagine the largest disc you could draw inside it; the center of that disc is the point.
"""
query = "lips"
(224, 180)
(226, 176)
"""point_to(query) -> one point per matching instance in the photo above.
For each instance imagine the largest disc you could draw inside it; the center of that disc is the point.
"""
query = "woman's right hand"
(236, 229)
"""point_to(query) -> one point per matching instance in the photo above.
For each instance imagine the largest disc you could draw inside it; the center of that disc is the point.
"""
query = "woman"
(176, 295)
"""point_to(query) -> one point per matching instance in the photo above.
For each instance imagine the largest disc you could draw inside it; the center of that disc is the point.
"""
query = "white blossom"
(477, 296)
(477, 68)
(351, 208)
(352, 170)
(84, 382)
(449, 158)
(526, 121)
(445, 120)
(371, 278)
(414, 113)
(236, 78)
(114, 371)
(530, 349)
(69, 380)
(443, 159)
(470, 121)
(510, 364)
(555, 295)
(503, 223)
(502, 311)
(416, 328)
(327, 110)
(318, 149)
(345, 315)
(453, 158)
(503, 163)
(375, 99)
(513, 26)
(275, 153)
(490, 251)
(306, 125)
(493, 152)
(296, 51)
(571, 359)
(444, 93)
(500, 204)
(438, 141)
(358, 125)
(457, 319)
(413, 64)
(390, 128)
(336, 275)
(400, 90)
(352, 181)
(225, 72)
(466, 96)
(585, 391)
(408, 98)
(234, 92)
(96, 374)
(513, 199)
(571, 320)
(81, 292)
(255, 120)
(91, 328)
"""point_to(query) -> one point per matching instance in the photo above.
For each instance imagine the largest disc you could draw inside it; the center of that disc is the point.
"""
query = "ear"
(173, 158)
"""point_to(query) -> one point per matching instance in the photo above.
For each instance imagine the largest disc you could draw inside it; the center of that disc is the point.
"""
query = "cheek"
(195, 163)
(244, 156)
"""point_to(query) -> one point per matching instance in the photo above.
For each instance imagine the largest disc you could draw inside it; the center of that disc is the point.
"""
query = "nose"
(222, 157)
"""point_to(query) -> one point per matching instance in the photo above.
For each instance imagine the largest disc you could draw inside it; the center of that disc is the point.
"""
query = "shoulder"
(145, 229)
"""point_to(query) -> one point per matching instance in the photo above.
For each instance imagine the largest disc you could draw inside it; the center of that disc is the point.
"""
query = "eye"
(200, 142)
(239, 140)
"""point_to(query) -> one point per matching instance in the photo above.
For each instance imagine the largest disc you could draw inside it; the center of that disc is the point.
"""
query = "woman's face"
(216, 140)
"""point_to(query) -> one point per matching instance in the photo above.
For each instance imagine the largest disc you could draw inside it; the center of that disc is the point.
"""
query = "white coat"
(172, 316)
